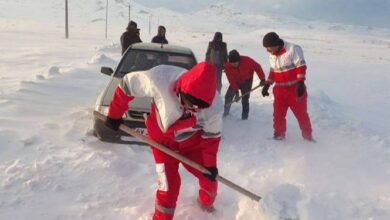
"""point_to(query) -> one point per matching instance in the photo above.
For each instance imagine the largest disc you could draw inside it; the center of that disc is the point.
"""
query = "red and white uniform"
(194, 135)
(288, 67)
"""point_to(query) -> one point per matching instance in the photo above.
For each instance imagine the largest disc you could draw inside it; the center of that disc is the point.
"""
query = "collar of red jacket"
(200, 82)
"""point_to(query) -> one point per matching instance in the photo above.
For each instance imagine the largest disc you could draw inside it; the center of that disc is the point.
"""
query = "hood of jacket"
(200, 82)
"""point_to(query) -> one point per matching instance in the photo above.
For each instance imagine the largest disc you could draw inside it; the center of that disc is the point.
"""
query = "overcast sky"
(363, 12)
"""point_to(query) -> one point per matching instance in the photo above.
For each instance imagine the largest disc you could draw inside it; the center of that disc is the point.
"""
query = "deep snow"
(51, 167)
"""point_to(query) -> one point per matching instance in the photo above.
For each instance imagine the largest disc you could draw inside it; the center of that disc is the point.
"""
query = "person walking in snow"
(185, 116)
(239, 71)
(160, 37)
(288, 74)
(130, 36)
(217, 54)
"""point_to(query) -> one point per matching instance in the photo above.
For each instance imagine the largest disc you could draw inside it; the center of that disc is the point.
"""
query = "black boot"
(279, 137)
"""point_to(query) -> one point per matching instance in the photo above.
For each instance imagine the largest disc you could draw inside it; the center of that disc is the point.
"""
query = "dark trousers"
(244, 88)
(219, 78)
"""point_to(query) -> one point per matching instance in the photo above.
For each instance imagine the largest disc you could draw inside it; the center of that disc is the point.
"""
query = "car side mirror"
(106, 70)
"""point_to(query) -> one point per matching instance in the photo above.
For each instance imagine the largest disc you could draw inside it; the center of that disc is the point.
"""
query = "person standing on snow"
(130, 36)
(185, 116)
(288, 72)
(239, 71)
(217, 54)
(160, 37)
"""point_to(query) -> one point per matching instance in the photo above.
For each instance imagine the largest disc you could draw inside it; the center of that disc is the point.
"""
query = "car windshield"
(137, 60)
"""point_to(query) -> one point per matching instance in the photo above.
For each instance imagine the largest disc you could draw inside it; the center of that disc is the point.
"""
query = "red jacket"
(184, 131)
(245, 70)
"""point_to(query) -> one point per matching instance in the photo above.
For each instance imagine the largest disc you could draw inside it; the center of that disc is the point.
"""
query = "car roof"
(169, 48)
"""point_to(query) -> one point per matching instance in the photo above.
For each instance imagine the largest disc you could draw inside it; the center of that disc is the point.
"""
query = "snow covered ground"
(51, 167)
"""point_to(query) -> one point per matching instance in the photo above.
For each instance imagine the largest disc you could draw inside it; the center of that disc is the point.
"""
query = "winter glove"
(262, 83)
(213, 175)
(264, 91)
(237, 96)
(113, 123)
(301, 88)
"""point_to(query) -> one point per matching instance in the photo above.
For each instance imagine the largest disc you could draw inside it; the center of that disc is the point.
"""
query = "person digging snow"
(185, 116)
(239, 71)
(288, 74)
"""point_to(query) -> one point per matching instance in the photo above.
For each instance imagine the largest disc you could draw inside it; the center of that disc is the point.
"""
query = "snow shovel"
(180, 158)
(237, 99)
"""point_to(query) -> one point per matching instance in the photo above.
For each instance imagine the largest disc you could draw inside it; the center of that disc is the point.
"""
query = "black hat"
(234, 56)
(271, 39)
(217, 36)
(195, 101)
(132, 24)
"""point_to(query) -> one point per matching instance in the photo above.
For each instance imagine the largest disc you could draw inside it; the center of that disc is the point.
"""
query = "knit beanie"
(217, 36)
(271, 39)
(234, 56)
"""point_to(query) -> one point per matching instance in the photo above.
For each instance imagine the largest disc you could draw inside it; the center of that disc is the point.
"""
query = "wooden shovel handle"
(180, 157)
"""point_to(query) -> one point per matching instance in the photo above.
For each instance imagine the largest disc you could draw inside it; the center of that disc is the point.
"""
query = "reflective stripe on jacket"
(288, 66)
(168, 119)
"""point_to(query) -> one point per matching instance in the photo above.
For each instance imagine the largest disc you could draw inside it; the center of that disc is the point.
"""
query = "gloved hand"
(262, 83)
(301, 88)
(214, 173)
(113, 123)
(237, 96)
(264, 91)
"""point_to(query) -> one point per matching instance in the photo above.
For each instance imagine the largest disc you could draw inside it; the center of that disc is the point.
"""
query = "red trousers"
(285, 97)
(169, 183)
(167, 169)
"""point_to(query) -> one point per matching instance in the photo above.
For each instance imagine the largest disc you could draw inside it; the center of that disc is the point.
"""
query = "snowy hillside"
(51, 167)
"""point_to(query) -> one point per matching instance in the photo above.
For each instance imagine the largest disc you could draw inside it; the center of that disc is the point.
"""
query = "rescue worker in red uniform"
(239, 71)
(185, 116)
(288, 74)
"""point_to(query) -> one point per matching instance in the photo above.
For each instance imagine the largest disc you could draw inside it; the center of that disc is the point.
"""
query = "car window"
(186, 62)
(138, 60)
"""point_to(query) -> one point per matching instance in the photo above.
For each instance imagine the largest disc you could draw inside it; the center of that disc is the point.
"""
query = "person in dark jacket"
(239, 71)
(130, 36)
(160, 37)
(217, 54)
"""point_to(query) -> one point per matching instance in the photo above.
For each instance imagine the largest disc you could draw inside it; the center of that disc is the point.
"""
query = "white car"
(139, 56)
